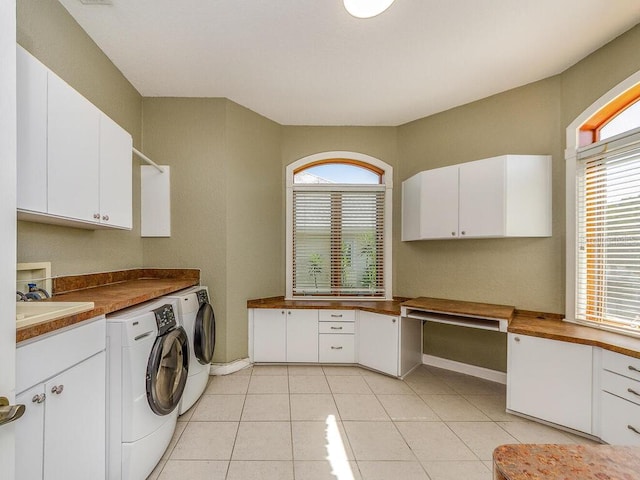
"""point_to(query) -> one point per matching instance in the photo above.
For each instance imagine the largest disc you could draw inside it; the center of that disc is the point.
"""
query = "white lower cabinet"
(62, 433)
(620, 399)
(550, 380)
(386, 343)
(269, 335)
(378, 342)
(336, 341)
(281, 335)
(302, 336)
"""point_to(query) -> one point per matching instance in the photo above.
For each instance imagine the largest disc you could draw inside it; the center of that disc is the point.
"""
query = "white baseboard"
(473, 370)
(227, 368)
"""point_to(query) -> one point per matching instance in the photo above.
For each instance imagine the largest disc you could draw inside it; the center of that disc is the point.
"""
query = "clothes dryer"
(198, 319)
(147, 369)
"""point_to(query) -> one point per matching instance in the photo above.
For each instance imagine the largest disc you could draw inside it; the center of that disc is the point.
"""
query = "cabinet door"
(439, 203)
(377, 338)
(115, 174)
(73, 171)
(269, 335)
(30, 434)
(32, 132)
(482, 203)
(550, 380)
(302, 335)
(75, 424)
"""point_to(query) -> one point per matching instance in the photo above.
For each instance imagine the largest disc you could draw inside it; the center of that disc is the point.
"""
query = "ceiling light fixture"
(366, 8)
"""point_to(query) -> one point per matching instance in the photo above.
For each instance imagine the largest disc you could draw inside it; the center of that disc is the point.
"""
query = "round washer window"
(167, 371)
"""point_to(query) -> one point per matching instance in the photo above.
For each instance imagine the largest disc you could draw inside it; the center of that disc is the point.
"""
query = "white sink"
(29, 313)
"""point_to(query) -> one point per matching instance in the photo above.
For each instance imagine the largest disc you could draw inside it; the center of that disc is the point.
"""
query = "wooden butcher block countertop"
(552, 326)
(110, 292)
(388, 307)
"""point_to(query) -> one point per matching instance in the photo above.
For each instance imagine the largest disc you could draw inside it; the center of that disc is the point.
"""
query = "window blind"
(338, 237)
(608, 225)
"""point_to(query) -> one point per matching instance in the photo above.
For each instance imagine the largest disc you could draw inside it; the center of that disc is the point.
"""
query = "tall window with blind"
(608, 227)
(338, 231)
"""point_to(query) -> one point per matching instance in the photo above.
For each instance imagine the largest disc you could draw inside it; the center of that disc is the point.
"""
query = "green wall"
(225, 204)
(228, 186)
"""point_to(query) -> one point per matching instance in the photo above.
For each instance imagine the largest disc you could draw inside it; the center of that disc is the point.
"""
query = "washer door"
(167, 371)
(204, 338)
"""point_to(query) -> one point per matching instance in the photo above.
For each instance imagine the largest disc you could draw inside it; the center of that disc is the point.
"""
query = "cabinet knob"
(393, 320)
(282, 312)
(39, 398)
(105, 217)
(289, 312)
(57, 389)
(517, 339)
(453, 234)
(463, 232)
(96, 216)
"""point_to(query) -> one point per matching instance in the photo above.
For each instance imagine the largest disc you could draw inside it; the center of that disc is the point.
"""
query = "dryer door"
(204, 339)
(167, 371)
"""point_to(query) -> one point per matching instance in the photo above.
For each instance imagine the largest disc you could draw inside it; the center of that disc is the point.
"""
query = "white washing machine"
(147, 369)
(196, 316)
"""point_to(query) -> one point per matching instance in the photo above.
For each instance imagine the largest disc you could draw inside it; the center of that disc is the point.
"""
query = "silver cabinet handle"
(105, 217)
(336, 316)
(517, 339)
(57, 389)
(10, 413)
(633, 369)
(634, 430)
(39, 398)
(336, 348)
(336, 328)
(631, 390)
(96, 216)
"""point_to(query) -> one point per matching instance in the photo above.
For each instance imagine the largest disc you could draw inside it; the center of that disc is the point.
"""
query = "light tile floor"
(344, 423)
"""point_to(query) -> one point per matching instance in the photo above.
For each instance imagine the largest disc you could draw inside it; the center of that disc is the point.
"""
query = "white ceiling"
(308, 62)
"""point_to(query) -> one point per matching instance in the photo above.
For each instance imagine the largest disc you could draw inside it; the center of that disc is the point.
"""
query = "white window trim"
(570, 155)
(387, 181)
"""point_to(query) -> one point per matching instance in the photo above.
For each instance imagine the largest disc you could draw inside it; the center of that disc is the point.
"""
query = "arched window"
(339, 227)
(607, 216)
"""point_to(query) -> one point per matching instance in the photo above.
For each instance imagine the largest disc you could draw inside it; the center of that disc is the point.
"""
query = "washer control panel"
(165, 318)
(202, 296)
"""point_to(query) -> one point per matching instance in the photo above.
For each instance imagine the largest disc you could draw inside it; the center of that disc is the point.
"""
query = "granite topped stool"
(566, 462)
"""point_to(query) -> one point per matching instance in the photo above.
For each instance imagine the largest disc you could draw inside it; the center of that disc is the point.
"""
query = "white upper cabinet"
(430, 204)
(506, 196)
(32, 133)
(74, 162)
(115, 174)
(73, 153)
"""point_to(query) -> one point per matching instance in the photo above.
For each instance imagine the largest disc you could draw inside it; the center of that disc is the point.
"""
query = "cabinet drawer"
(336, 348)
(61, 351)
(619, 418)
(337, 315)
(621, 364)
(621, 386)
(337, 327)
